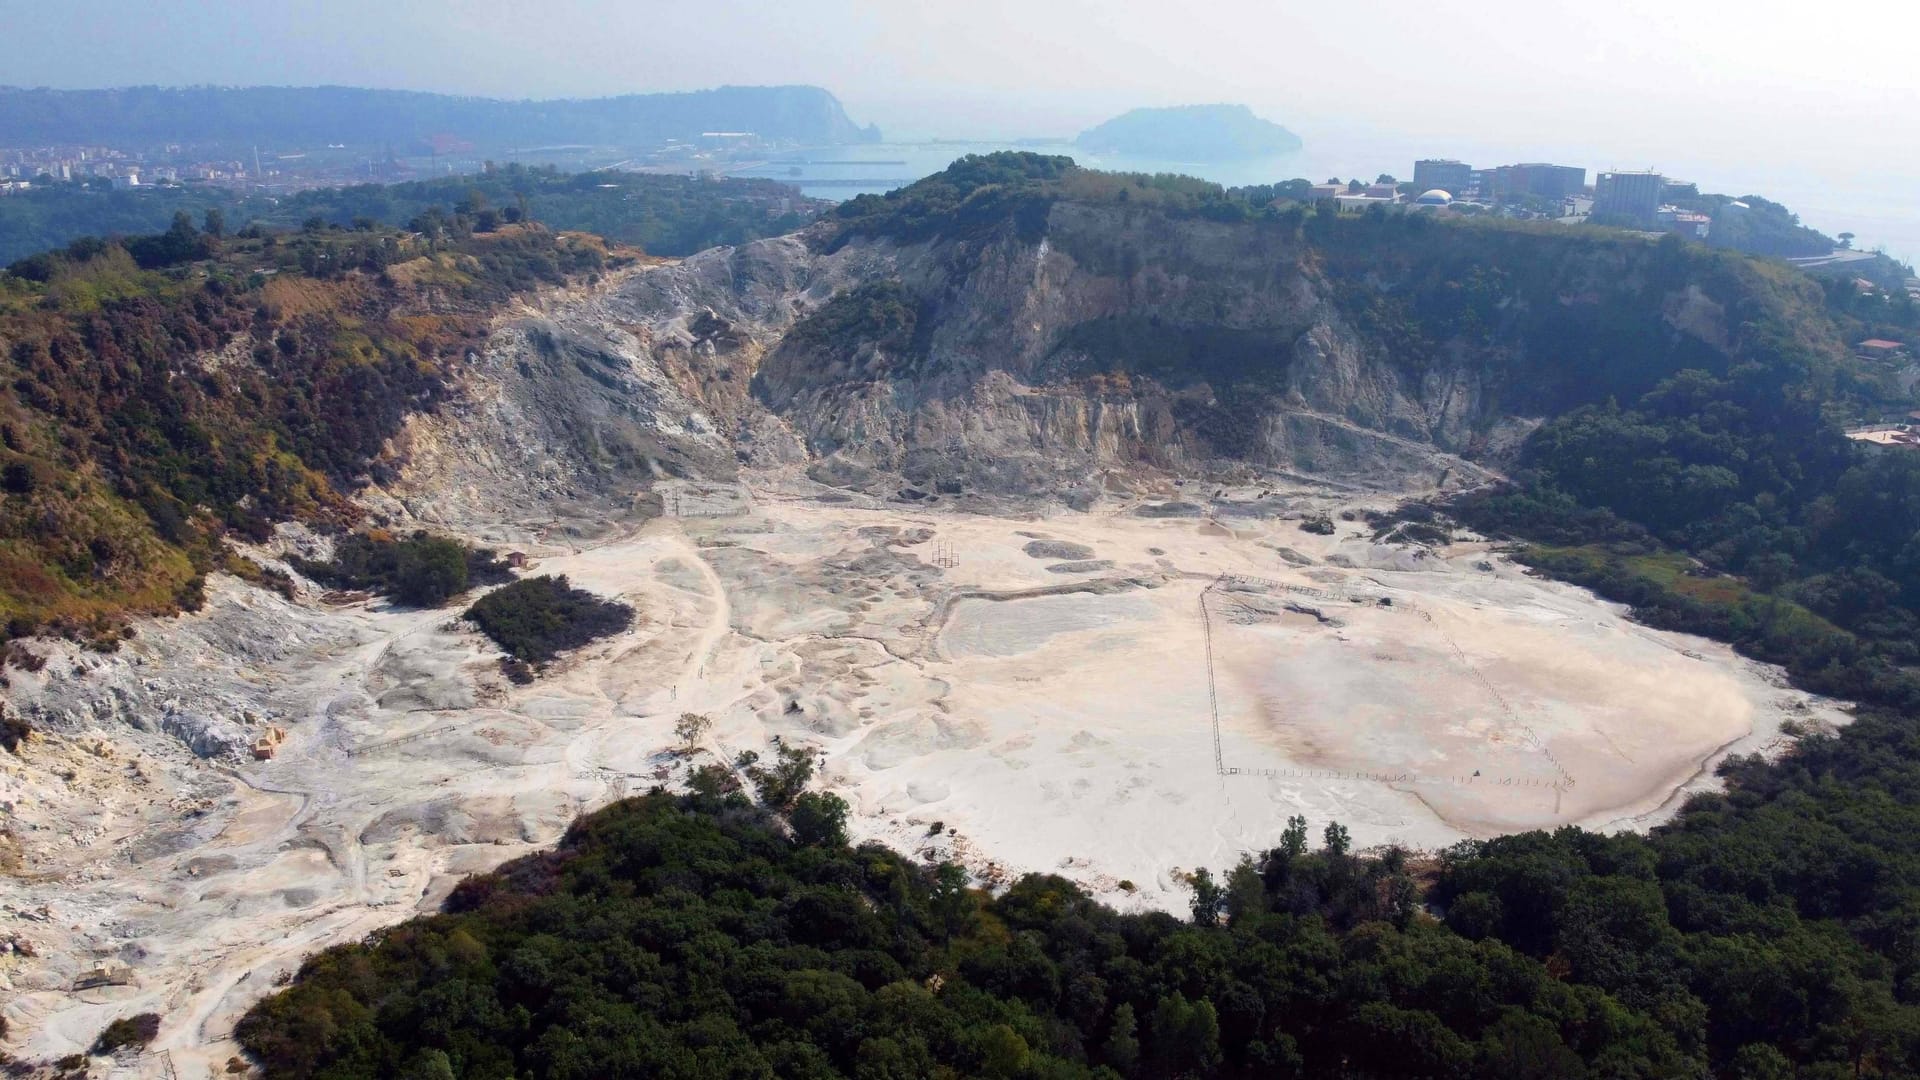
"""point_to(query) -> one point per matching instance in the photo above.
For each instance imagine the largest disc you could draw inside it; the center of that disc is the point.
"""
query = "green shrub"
(128, 1032)
(819, 818)
(420, 570)
(781, 783)
(539, 618)
(14, 730)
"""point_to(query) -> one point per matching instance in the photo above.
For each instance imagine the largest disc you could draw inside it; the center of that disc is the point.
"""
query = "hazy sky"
(1716, 89)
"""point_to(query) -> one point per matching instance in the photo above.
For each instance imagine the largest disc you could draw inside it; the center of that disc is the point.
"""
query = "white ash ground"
(1035, 686)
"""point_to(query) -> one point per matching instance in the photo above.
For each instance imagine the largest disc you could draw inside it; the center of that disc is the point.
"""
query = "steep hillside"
(175, 390)
(1016, 323)
(1012, 326)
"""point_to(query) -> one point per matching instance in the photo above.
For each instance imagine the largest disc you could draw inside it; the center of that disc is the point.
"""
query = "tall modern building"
(1540, 179)
(1634, 196)
(1444, 174)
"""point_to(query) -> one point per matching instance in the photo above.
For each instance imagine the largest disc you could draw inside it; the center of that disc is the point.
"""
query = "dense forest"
(664, 215)
(1767, 934)
(699, 936)
(1723, 499)
(166, 391)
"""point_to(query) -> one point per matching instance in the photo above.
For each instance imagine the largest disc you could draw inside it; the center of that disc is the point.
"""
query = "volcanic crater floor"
(1118, 697)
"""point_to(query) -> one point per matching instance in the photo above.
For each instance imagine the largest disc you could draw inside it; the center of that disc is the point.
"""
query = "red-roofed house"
(1881, 349)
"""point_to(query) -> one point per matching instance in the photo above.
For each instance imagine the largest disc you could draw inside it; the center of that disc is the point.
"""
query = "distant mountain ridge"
(1190, 133)
(144, 115)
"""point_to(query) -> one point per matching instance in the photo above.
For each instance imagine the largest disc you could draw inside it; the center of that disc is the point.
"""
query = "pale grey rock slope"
(683, 370)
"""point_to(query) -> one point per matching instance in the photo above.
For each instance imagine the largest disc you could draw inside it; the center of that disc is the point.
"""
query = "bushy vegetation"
(868, 332)
(1750, 223)
(1562, 318)
(1180, 354)
(421, 570)
(666, 215)
(153, 409)
(973, 196)
(128, 1033)
(1888, 311)
(695, 936)
(14, 730)
(882, 313)
(536, 619)
(1747, 476)
(981, 194)
(1767, 933)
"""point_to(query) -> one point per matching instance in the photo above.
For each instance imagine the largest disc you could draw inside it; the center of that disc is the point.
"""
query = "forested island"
(1190, 133)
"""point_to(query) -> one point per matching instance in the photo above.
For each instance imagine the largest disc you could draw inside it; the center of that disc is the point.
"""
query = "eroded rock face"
(207, 736)
(1120, 340)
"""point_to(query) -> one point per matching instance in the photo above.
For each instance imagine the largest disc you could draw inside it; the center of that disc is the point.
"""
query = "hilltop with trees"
(131, 451)
(664, 215)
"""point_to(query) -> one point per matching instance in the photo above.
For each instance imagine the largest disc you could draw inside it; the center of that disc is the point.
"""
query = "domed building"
(1436, 197)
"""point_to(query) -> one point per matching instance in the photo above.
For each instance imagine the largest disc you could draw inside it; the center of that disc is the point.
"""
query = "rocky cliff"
(1057, 351)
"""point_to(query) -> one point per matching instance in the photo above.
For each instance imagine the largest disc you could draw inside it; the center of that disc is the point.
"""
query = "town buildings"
(1630, 196)
(1443, 174)
(1693, 226)
(1554, 182)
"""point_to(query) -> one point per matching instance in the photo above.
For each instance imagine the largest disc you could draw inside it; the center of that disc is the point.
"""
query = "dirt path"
(688, 687)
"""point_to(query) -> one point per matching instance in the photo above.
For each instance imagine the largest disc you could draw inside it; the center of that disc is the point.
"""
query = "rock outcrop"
(1120, 338)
